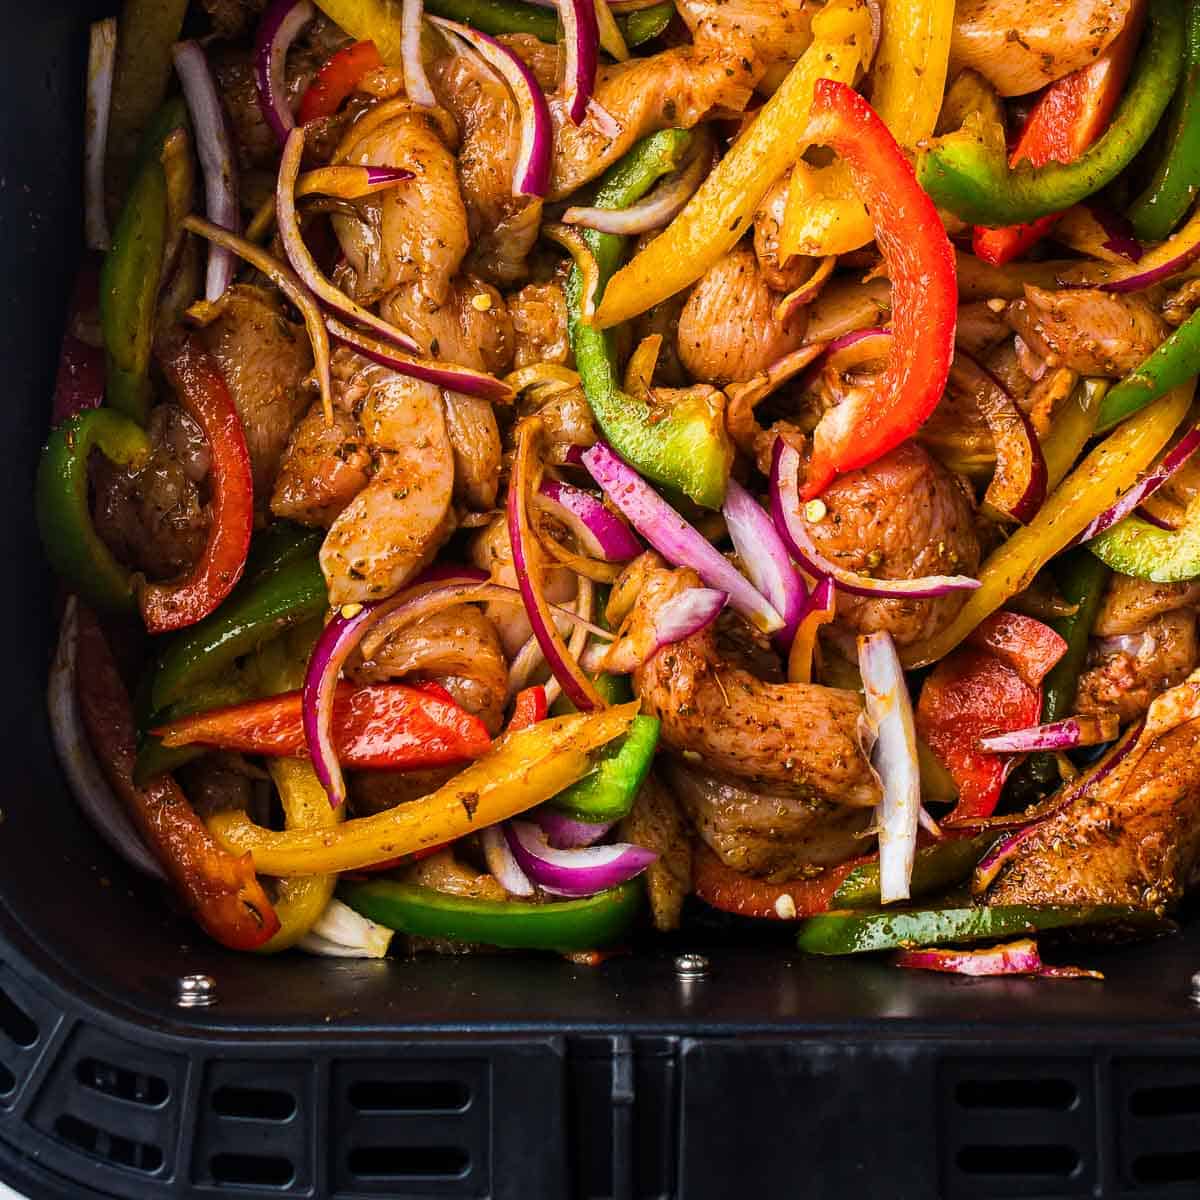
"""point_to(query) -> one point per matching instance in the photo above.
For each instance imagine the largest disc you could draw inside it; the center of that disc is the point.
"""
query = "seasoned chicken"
(152, 517)
(395, 525)
(728, 330)
(670, 90)
(1126, 672)
(323, 468)
(800, 739)
(539, 318)
(1019, 46)
(264, 358)
(766, 832)
(415, 232)
(459, 647)
(770, 31)
(1132, 839)
(656, 823)
(503, 227)
(1131, 604)
(903, 517)
(1090, 331)
(780, 274)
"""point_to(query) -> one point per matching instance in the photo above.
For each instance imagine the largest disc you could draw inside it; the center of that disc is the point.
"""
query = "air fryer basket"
(504, 1076)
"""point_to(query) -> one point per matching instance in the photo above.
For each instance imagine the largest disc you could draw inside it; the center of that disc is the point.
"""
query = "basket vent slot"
(1168, 1101)
(1180, 1166)
(1018, 1160)
(1157, 1102)
(8, 1081)
(409, 1162)
(112, 1080)
(251, 1170)
(110, 1147)
(16, 1023)
(1055, 1095)
(254, 1104)
(409, 1095)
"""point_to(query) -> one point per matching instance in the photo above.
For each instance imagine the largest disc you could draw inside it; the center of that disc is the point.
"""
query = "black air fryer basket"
(502, 1076)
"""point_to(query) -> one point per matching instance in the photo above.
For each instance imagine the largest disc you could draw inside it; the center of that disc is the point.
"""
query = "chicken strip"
(323, 468)
(674, 89)
(798, 739)
(1135, 838)
(728, 330)
(539, 318)
(264, 358)
(1131, 604)
(770, 31)
(396, 524)
(780, 274)
(1090, 331)
(656, 823)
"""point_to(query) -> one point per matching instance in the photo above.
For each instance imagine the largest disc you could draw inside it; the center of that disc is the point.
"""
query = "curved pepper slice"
(684, 447)
(521, 770)
(336, 79)
(1136, 547)
(383, 726)
(1171, 365)
(600, 920)
(220, 890)
(920, 265)
(200, 389)
(1068, 117)
(967, 173)
(608, 792)
(72, 545)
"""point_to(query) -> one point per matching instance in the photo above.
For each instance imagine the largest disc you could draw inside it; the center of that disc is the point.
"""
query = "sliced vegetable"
(1140, 548)
(607, 793)
(79, 381)
(565, 832)
(819, 609)
(581, 42)
(1068, 734)
(1171, 365)
(277, 30)
(1072, 429)
(599, 530)
(582, 871)
(340, 932)
(520, 771)
(416, 81)
(102, 57)
(1024, 643)
(1014, 958)
(336, 79)
(529, 708)
(935, 868)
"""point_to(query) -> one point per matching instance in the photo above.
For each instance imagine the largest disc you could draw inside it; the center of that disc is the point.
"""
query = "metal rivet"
(690, 966)
(1194, 994)
(196, 991)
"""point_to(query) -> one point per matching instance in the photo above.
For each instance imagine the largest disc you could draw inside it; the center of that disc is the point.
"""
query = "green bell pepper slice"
(1175, 362)
(684, 447)
(608, 792)
(1171, 190)
(967, 171)
(589, 924)
(153, 758)
(859, 933)
(1136, 547)
(935, 868)
(72, 545)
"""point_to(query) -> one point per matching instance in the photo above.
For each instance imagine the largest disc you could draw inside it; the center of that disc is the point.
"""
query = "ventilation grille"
(21, 1036)
(1017, 1127)
(1158, 1124)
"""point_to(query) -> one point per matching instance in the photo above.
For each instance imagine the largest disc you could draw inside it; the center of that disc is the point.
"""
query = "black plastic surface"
(500, 1076)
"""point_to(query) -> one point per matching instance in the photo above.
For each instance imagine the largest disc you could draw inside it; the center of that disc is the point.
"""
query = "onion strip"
(102, 57)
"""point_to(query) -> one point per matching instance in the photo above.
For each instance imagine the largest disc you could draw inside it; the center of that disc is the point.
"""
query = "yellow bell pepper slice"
(724, 205)
(522, 769)
(1072, 429)
(823, 215)
(1111, 468)
(375, 21)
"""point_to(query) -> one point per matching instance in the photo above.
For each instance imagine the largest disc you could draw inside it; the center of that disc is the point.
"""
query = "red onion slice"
(1166, 259)
(674, 538)
(443, 375)
(102, 57)
(1118, 230)
(1144, 488)
(579, 872)
(86, 780)
(807, 292)
(1067, 734)
(277, 30)
(990, 865)
(889, 710)
(600, 531)
(531, 174)
(302, 260)
(857, 346)
(1012, 958)
(683, 615)
(581, 37)
(1152, 518)
(416, 82)
(217, 160)
(785, 509)
(503, 863)
(765, 558)
(567, 833)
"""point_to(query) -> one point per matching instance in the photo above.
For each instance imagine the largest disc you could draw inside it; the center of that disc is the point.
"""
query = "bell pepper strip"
(153, 758)
(1136, 547)
(859, 933)
(1067, 118)
(79, 382)
(608, 792)
(277, 546)
(219, 889)
(1173, 186)
(383, 726)
(1171, 365)
(724, 205)
(920, 265)
(966, 172)
(72, 545)
(1027, 645)
(201, 391)
(528, 708)
(336, 79)
(521, 770)
(935, 869)
(1071, 428)
(563, 925)
(684, 447)
(1104, 474)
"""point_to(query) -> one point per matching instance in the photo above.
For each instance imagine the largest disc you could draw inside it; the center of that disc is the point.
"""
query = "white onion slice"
(502, 863)
(102, 57)
(340, 932)
(416, 82)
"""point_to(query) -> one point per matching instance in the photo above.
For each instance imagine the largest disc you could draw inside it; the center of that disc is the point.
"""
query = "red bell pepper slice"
(79, 384)
(336, 79)
(920, 265)
(991, 684)
(1068, 117)
(200, 389)
(529, 708)
(384, 726)
(222, 892)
